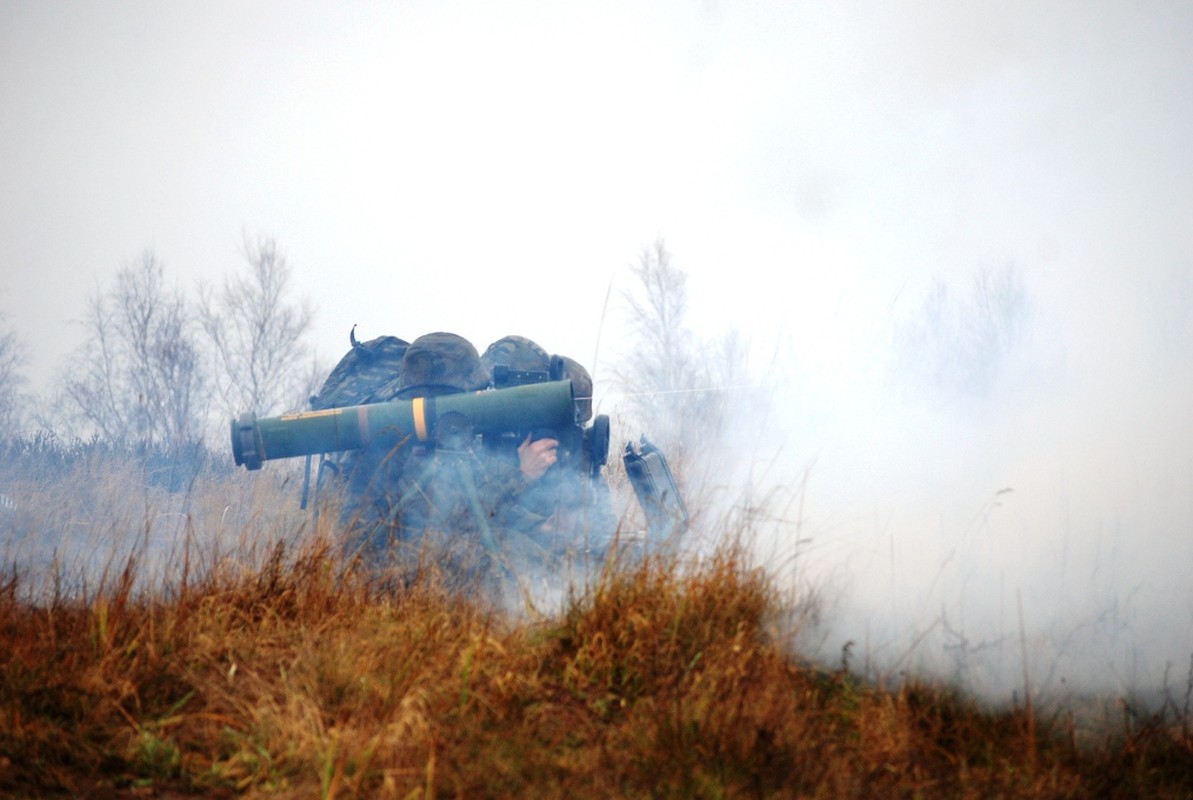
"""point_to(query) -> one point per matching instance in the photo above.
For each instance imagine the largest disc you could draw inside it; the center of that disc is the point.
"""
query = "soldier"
(583, 505)
(581, 509)
(447, 498)
(511, 361)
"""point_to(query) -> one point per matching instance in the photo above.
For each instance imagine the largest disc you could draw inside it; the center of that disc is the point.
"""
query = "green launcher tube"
(538, 405)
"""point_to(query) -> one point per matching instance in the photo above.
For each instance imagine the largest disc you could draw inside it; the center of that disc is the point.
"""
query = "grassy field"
(228, 650)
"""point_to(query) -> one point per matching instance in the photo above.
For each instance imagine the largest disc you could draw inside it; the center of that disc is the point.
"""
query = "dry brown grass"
(287, 673)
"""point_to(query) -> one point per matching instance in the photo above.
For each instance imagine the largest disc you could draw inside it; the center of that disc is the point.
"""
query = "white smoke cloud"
(1054, 505)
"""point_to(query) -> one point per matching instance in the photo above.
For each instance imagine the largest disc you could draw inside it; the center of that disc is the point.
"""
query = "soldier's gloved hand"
(536, 457)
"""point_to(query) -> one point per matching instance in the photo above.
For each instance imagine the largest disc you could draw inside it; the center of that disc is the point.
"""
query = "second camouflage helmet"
(516, 352)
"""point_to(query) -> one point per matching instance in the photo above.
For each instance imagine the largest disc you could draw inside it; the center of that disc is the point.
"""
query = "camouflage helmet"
(516, 352)
(571, 369)
(440, 363)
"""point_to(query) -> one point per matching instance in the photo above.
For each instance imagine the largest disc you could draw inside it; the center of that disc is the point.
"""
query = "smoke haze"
(819, 170)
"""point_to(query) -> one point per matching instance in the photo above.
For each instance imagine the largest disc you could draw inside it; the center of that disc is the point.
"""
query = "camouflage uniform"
(583, 504)
(578, 505)
(451, 495)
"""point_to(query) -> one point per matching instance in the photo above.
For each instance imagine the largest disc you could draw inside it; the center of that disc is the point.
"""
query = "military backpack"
(368, 373)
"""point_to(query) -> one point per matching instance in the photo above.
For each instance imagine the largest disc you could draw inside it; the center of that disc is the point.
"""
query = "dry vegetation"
(261, 665)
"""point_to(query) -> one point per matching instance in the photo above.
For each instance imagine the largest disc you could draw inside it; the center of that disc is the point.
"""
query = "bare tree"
(257, 333)
(675, 383)
(137, 375)
(961, 341)
(13, 358)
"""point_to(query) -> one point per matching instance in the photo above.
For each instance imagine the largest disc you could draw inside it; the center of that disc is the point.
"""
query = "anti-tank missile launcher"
(540, 410)
(545, 408)
(532, 407)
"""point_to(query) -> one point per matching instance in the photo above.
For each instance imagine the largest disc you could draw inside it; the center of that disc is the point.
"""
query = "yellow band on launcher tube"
(362, 423)
(419, 410)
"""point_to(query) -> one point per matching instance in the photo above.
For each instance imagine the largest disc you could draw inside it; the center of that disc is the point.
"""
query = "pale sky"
(491, 168)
